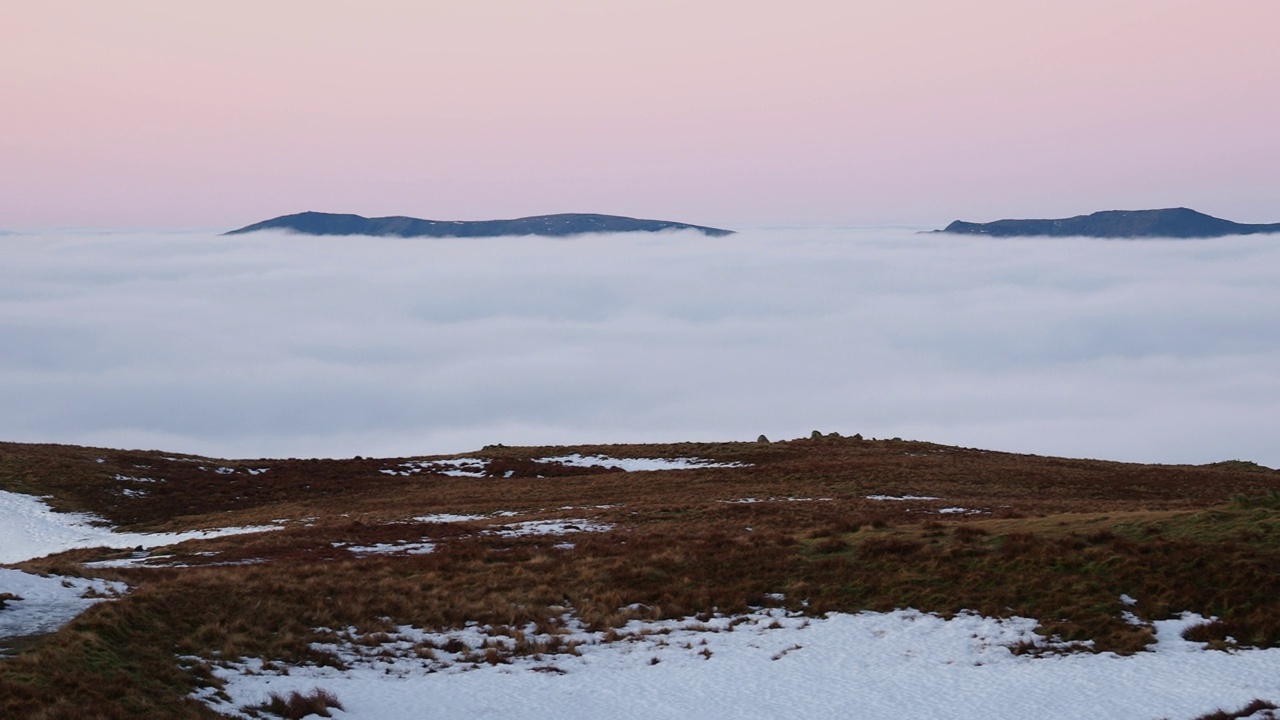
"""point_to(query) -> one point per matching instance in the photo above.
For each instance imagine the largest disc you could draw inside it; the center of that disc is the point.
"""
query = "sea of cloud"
(271, 345)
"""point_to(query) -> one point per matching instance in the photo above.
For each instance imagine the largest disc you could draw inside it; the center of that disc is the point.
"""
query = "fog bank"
(276, 345)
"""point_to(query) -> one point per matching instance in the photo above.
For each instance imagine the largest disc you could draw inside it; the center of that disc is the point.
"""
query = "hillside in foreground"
(561, 225)
(1166, 223)
(524, 565)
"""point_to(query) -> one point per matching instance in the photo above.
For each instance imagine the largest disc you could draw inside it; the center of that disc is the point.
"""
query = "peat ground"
(505, 539)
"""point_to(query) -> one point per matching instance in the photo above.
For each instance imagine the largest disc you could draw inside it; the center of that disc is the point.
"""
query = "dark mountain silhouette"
(1171, 222)
(317, 223)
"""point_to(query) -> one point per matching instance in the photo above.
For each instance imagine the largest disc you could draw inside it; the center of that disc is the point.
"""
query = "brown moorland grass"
(1055, 539)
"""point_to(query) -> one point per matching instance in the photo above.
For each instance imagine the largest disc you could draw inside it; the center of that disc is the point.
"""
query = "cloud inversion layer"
(276, 345)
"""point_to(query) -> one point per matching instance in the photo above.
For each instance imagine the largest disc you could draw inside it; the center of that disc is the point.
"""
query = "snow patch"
(130, 478)
(30, 529)
(902, 497)
(750, 500)
(397, 548)
(146, 560)
(549, 527)
(448, 518)
(637, 464)
(48, 603)
(457, 467)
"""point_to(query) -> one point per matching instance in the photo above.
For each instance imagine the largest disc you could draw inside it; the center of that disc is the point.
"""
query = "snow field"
(768, 664)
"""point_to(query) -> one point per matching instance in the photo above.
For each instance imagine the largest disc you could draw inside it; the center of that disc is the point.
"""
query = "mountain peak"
(560, 225)
(1177, 222)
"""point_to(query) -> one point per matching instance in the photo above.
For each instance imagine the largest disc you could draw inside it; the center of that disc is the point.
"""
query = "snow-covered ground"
(47, 603)
(902, 664)
(30, 529)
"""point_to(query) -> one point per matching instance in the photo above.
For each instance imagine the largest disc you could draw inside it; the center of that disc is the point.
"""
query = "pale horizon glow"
(146, 113)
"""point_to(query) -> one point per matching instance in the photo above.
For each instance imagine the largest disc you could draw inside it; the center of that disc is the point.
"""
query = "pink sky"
(141, 113)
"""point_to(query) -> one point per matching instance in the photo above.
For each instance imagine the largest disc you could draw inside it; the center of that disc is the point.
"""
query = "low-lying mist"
(271, 345)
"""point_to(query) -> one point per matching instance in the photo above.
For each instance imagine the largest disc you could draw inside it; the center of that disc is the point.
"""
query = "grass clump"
(296, 705)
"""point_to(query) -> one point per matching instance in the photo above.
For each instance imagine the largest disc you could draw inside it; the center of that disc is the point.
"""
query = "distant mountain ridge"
(1169, 222)
(561, 225)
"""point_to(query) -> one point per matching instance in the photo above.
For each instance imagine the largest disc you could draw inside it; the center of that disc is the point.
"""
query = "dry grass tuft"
(298, 705)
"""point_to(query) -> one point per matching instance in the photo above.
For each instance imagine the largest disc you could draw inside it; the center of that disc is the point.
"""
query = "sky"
(275, 345)
(154, 114)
